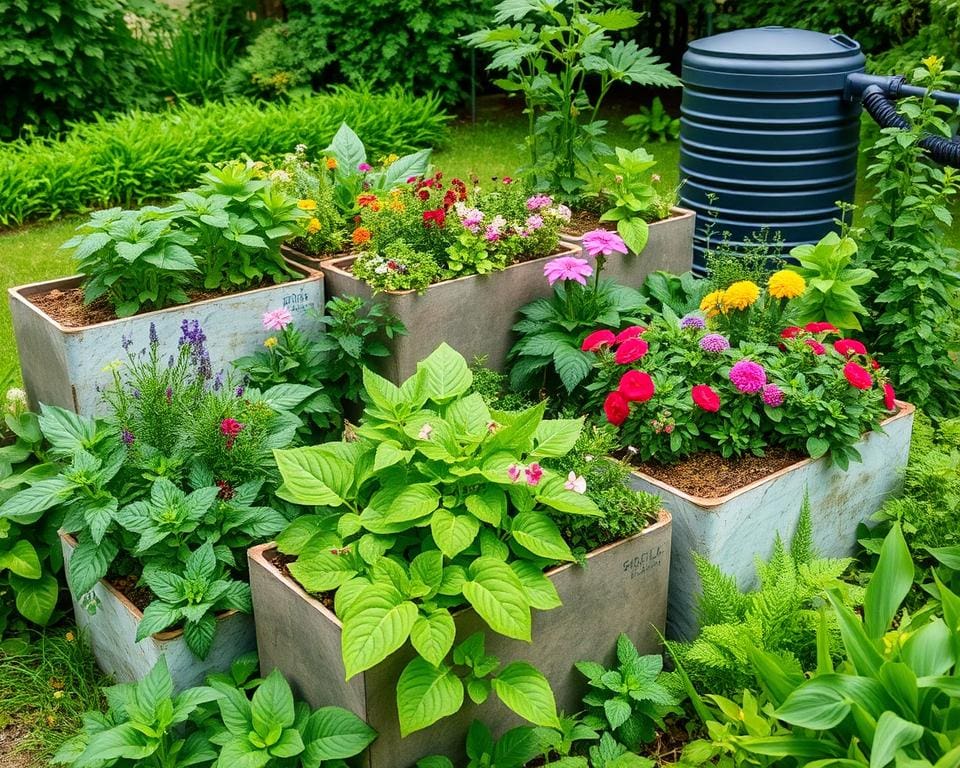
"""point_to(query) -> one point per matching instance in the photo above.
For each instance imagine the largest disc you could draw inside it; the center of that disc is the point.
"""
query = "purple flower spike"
(218, 381)
(127, 437)
(154, 339)
(126, 342)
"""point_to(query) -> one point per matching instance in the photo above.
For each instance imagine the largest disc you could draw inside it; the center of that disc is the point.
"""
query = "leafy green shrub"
(145, 156)
(64, 59)
(393, 42)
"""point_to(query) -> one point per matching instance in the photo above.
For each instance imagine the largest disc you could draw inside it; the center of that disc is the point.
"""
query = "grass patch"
(45, 687)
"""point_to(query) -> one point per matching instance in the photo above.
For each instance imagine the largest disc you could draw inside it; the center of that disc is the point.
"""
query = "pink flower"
(630, 350)
(630, 332)
(513, 472)
(603, 241)
(748, 376)
(277, 319)
(816, 346)
(575, 483)
(472, 218)
(848, 347)
(597, 340)
(534, 222)
(534, 473)
(706, 398)
(617, 408)
(772, 395)
(567, 268)
(364, 167)
(425, 432)
(230, 428)
(636, 386)
(537, 202)
(889, 397)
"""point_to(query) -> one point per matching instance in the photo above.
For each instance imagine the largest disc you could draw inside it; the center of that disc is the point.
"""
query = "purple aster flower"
(772, 395)
(693, 321)
(714, 342)
(127, 437)
(603, 242)
(748, 376)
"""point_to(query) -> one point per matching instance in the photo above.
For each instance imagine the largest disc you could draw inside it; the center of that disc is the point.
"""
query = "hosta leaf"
(496, 594)
(379, 623)
(425, 694)
(526, 691)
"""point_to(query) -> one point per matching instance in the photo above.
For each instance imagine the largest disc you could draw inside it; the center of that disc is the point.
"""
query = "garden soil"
(11, 754)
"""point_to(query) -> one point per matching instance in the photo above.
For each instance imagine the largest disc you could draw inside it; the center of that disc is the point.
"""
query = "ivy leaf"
(379, 623)
(425, 694)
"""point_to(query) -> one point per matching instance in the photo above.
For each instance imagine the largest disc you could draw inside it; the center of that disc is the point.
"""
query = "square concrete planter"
(623, 588)
(111, 631)
(732, 530)
(63, 366)
(668, 249)
(473, 314)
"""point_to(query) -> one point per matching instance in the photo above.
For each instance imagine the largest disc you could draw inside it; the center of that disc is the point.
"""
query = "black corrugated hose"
(883, 110)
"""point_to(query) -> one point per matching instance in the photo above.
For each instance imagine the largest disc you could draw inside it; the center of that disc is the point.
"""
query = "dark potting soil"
(282, 563)
(711, 476)
(584, 220)
(141, 597)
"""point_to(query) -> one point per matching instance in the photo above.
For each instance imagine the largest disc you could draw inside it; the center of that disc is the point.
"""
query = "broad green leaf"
(453, 533)
(526, 691)
(425, 694)
(427, 568)
(313, 476)
(489, 505)
(433, 634)
(65, 430)
(290, 744)
(122, 741)
(88, 564)
(818, 704)
(333, 733)
(540, 591)
(157, 617)
(556, 437)
(286, 397)
(272, 704)
(348, 150)
(635, 232)
(384, 394)
(378, 624)
(889, 585)
(893, 733)
(539, 534)
(36, 598)
(447, 374)
(412, 503)
(28, 505)
(496, 594)
(21, 559)
(552, 493)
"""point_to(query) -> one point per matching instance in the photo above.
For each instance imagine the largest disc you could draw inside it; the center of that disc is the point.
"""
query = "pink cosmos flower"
(567, 268)
(575, 483)
(534, 473)
(603, 242)
(277, 319)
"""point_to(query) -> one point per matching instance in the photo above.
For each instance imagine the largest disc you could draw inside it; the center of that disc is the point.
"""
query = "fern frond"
(801, 548)
(721, 600)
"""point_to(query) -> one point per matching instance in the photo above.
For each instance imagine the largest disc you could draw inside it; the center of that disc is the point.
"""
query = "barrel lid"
(776, 43)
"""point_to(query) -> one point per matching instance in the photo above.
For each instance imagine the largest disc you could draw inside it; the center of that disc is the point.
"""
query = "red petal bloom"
(889, 397)
(597, 340)
(424, 194)
(616, 408)
(816, 346)
(630, 350)
(791, 332)
(630, 333)
(821, 328)
(847, 347)
(858, 376)
(365, 200)
(874, 364)
(437, 216)
(706, 398)
(636, 386)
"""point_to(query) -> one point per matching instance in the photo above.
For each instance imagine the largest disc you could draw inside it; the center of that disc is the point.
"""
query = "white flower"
(575, 483)
(425, 432)
(281, 176)
(560, 212)
(381, 270)
(16, 395)
(300, 149)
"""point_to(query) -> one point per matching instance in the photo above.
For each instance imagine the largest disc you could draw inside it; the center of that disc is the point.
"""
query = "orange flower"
(331, 163)
(360, 236)
(368, 201)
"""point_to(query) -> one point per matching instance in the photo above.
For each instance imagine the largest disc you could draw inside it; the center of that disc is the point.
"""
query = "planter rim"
(904, 409)
(260, 553)
(677, 214)
(19, 293)
(337, 263)
(168, 634)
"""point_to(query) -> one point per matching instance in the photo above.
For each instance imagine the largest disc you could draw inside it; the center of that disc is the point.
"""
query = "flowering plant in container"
(721, 382)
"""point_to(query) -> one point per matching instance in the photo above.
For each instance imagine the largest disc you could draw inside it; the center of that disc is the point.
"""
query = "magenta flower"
(537, 202)
(534, 222)
(277, 319)
(364, 167)
(472, 218)
(567, 268)
(772, 395)
(748, 376)
(513, 472)
(534, 473)
(603, 242)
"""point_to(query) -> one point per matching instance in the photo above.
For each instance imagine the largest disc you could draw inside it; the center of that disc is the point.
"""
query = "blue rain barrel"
(765, 132)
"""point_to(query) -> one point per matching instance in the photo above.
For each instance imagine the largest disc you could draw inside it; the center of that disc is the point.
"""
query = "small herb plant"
(653, 124)
(438, 503)
(549, 356)
(218, 725)
(550, 52)
(627, 701)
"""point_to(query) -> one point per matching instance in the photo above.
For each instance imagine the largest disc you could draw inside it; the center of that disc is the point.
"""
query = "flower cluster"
(676, 388)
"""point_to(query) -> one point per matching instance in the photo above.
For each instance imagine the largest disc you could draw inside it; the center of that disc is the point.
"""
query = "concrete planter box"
(313, 261)
(473, 314)
(669, 249)
(732, 530)
(112, 632)
(622, 589)
(63, 366)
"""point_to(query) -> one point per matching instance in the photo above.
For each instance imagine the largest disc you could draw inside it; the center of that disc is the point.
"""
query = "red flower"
(230, 428)
(816, 346)
(889, 397)
(636, 386)
(791, 332)
(449, 198)
(630, 350)
(597, 340)
(874, 364)
(437, 216)
(616, 408)
(858, 376)
(821, 328)
(423, 194)
(365, 200)
(630, 333)
(706, 398)
(848, 347)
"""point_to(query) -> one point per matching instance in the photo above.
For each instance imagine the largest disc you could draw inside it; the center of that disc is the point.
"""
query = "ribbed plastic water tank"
(766, 131)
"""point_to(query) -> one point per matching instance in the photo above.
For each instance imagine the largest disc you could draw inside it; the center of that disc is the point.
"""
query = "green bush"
(143, 156)
(393, 42)
(63, 59)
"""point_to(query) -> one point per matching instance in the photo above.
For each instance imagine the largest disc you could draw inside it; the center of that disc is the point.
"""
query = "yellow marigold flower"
(712, 303)
(331, 163)
(740, 295)
(313, 226)
(786, 284)
(396, 204)
(361, 235)
(271, 342)
(307, 205)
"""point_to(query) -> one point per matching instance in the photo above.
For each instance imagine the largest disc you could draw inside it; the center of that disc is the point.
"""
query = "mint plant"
(439, 502)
